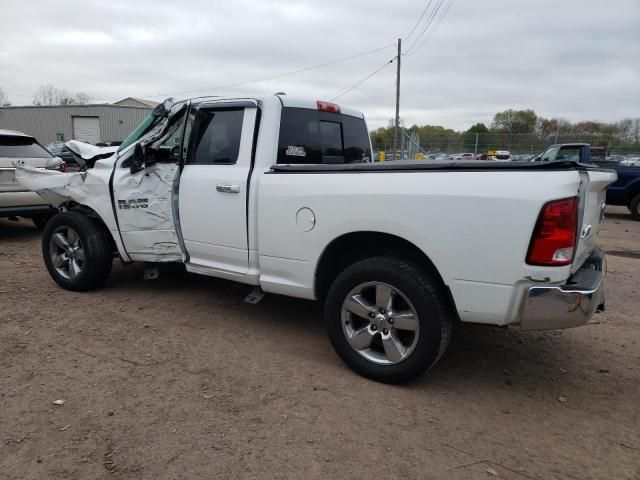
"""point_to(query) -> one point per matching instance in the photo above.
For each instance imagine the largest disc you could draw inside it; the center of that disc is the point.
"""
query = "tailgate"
(593, 189)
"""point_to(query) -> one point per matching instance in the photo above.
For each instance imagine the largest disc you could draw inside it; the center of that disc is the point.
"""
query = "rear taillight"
(60, 167)
(327, 107)
(554, 238)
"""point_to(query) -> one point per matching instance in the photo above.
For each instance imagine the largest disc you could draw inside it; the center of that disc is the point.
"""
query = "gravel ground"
(178, 378)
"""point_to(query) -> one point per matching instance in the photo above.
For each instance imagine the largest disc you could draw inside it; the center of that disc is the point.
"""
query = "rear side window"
(22, 147)
(218, 137)
(312, 137)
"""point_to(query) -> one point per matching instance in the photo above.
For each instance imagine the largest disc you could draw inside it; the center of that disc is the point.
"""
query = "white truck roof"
(286, 100)
(307, 102)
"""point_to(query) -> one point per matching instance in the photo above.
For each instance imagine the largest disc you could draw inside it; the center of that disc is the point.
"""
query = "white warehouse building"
(100, 123)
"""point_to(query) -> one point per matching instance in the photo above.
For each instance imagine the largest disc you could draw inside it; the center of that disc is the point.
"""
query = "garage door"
(86, 129)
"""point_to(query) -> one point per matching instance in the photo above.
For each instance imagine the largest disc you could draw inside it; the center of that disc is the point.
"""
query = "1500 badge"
(134, 203)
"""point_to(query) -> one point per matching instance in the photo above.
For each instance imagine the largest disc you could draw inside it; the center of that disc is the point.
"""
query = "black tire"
(97, 247)
(40, 221)
(634, 206)
(430, 302)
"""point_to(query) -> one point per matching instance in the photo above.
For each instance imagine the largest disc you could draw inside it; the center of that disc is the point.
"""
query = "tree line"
(48, 95)
(524, 122)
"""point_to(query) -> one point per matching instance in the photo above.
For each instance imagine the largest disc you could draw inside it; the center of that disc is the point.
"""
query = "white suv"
(15, 201)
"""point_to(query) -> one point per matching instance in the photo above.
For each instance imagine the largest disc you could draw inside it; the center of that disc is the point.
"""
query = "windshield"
(22, 147)
(147, 124)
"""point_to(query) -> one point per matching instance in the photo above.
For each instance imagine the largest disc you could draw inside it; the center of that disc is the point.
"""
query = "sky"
(575, 59)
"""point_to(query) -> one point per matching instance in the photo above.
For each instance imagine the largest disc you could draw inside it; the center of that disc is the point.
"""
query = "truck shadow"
(477, 355)
(619, 216)
(20, 230)
(505, 357)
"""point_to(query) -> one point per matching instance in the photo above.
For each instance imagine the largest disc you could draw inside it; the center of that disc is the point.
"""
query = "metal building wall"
(116, 122)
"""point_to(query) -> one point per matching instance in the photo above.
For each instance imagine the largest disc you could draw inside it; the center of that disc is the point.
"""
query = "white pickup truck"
(281, 194)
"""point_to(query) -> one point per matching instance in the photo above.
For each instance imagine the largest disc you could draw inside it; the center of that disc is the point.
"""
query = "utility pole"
(396, 124)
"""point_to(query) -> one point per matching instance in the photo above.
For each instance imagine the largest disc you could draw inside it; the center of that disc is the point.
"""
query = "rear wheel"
(634, 206)
(77, 251)
(388, 319)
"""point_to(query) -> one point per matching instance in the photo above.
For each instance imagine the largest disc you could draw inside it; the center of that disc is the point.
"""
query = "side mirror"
(137, 160)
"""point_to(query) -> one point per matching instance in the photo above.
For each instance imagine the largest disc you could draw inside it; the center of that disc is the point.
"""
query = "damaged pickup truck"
(281, 194)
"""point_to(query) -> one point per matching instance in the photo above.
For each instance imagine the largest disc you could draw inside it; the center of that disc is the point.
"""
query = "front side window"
(312, 137)
(550, 154)
(22, 147)
(217, 137)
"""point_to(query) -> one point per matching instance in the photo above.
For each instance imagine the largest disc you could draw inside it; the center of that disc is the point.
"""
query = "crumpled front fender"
(90, 188)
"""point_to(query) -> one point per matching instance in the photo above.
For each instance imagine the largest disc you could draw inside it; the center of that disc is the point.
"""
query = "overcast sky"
(576, 59)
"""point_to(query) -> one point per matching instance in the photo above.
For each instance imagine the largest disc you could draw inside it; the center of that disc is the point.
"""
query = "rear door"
(213, 192)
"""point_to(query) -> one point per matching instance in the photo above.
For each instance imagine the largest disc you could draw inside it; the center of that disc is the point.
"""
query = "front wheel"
(388, 319)
(77, 251)
(634, 206)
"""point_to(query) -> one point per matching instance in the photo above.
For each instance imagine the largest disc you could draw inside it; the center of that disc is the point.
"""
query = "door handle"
(225, 188)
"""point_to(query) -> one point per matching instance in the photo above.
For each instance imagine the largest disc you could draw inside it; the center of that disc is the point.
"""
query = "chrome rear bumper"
(568, 305)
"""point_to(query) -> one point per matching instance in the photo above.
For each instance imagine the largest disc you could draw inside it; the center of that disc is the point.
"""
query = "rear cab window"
(310, 136)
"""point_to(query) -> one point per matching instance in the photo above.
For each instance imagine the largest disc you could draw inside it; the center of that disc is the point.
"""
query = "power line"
(419, 20)
(412, 49)
(438, 22)
(360, 82)
(427, 24)
(271, 77)
(280, 75)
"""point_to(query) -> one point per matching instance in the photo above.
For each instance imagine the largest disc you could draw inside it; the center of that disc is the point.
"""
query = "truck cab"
(576, 152)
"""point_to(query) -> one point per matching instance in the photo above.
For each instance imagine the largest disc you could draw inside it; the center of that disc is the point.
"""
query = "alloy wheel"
(66, 252)
(380, 323)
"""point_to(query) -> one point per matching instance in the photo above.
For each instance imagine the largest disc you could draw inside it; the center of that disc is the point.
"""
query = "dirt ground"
(179, 378)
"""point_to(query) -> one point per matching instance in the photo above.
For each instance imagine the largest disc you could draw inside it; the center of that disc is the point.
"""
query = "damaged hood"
(86, 151)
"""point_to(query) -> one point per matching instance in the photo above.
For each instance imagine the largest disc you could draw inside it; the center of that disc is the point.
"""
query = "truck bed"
(424, 165)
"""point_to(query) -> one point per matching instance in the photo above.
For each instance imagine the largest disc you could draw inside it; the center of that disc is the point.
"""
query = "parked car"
(463, 156)
(279, 193)
(522, 157)
(625, 191)
(501, 156)
(60, 150)
(630, 162)
(616, 159)
(15, 200)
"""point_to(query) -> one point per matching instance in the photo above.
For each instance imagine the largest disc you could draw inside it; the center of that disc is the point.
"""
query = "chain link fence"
(517, 144)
